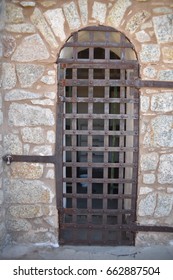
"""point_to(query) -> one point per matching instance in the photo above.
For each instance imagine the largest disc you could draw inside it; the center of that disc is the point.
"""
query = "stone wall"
(33, 33)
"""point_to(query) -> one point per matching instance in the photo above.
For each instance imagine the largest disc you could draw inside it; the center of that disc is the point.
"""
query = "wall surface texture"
(32, 34)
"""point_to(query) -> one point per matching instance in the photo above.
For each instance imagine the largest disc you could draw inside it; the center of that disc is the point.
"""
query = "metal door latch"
(8, 159)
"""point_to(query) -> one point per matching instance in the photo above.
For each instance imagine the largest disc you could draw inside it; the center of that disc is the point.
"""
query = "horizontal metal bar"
(99, 165)
(97, 44)
(99, 196)
(72, 211)
(98, 180)
(101, 132)
(99, 100)
(100, 149)
(100, 116)
(98, 64)
(152, 228)
(155, 84)
(27, 158)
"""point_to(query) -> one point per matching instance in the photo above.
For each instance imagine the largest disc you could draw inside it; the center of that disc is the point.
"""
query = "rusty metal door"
(97, 123)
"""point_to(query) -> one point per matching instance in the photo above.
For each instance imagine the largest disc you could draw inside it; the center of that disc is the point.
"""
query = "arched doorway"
(97, 138)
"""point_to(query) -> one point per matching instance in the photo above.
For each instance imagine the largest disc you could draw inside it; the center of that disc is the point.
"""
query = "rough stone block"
(1, 197)
(14, 14)
(42, 150)
(166, 75)
(153, 238)
(43, 102)
(12, 144)
(33, 135)
(51, 136)
(28, 74)
(164, 205)
(2, 234)
(20, 94)
(99, 11)
(48, 80)
(48, 4)
(163, 132)
(136, 20)
(83, 7)
(145, 103)
(72, 16)
(8, 44)
(20, 28)
(27, 192)
(149, 179)
(38, 20)
(1, 117)
(25, 211)
(149, 161)
(142, 36)
(18, 225)
(117, 12)
(162, 102)
(145, 190)
(150, 72)
(27, 4)
(163, 28)
(165, 171)
(147, 205)
(27, 170)
(56, 20)
(167, 54)
(150, 53)
(8, 76)
(31, 48)
(27, 115)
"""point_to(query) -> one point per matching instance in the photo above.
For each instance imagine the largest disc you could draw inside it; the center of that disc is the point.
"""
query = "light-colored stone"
(165, 172)
(162, 102)
(27, 170)
(48, 80)
(164, 205)
(8, 45)
(8, 75)
(20, 28)
(14, 14)
(2, 16)
(146, 25)
(162, 10)
(1, 117)
(27, 4)
(161, 132)
(45, 150)
(48, 4)
(1, 47)
(28, 74)
(153, 238)
(150, 72)
(33, 135)
(26, 149)
(149, 161)
(56, 20)
(117, 12)
(163, 28)
(0, 103)
(27, 192)
(12, 144)
(170, 190)
(52, 221)
(145, 190)
(18, 225)
(51, 136)
(147, 205)
(83, 7)
(142, 36)
(136, 20)
(35, 236)
(166, 75)
(43, 102)
(25, 211)
(50, 95)
(50, 174)
(72, 16)
(1, 197)
(149, 179)
(20, 94)
(167, 54)
(31, 48)
(24, 114)
(145, 103)
(38, 20)
(150, 53)
(99, 11)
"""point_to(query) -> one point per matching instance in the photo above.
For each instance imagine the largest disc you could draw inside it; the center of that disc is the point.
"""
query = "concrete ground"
(30, 252)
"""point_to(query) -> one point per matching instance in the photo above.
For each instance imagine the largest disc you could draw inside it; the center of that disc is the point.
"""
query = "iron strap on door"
(97, 121)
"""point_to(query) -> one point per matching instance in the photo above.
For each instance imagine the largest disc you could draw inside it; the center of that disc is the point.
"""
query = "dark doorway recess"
(97, 138)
